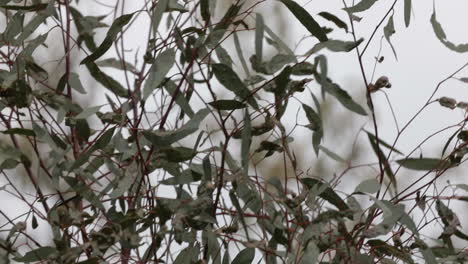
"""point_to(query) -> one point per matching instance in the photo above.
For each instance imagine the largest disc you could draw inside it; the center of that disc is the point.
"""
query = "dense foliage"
(141, 137)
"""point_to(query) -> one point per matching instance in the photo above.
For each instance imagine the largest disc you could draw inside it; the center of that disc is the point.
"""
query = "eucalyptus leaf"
(306, 19)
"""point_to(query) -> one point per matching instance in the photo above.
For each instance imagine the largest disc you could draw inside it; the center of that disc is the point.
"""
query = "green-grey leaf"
(116, 64)
(166, 138)
(162, 65)
(306, 20)
(338, 22)
(335, 46)
(407, 12)
(107, 81)
(332, 154)
(440, 34)
(111, 35)
(227, 104)
(344, 98)
(389, 30)
(19, 131)
(158, 12)
(229, 79)
(328, 193)
(180, 100)
(246, 142)
(37, 254)
(186, 177)
(424, 164)
(259, 31)
(368, 186)
(361, 6)
(88, 112)
(75, 83)
(246, 256)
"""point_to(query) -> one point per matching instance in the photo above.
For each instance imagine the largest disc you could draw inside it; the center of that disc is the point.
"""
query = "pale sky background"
(422, 62)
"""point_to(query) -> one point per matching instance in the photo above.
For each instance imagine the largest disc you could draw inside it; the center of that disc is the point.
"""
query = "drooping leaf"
(34, 23)
(342, 96)
(332, 154)
(407, 12)
(227, 104)
(229, 79)
(246, 142)
(328, 194)
(111, 35)
(75, 83)
(338, 22)
(88, 112)
(240, 54)
(107, 81)
(259, 31)
(363, 5)
(279, 43)
(246, 256)
(382, 158)
(424, 164)
(156, 16)
(383, 143)
(162, 65)
(180, 100)
(306, 19)
(389, 30)
(440, 34)
(166, 138)
(205, 10)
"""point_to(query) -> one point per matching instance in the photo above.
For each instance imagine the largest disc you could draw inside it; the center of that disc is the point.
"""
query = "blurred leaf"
(259, 31)
(160, 68)
(382, 158)
(35, 22)
(407, 12)
(178, 154)
(186, 177)
(19, 131)
(180, 100)
(303, 68)
(389, 30)
(85, 191)
(279, 43)
(229, 79)
(111, 36)
(361, 6)
(246, 142)
(335, 46)
(166, 138)
(306, 19)
(328, 194)
(424, 164)
(39, 254)
(381, 248)
(440, 34)
(107, 81)
(31, 8)
(205, 10)
(116, 64)
(342, 96)
(223, 56)
(87, 112)
(246, 256)
(158, 10)
(338, 22)
(382, 143)
(227, 105)
(368, 186)
(332, 155)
